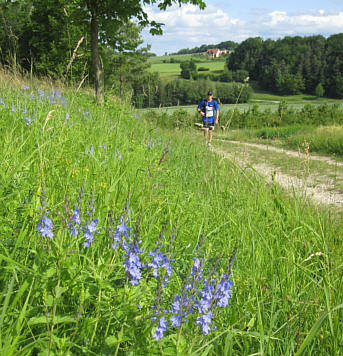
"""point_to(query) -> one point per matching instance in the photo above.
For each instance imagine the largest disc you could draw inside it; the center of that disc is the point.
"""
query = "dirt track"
(323, 193)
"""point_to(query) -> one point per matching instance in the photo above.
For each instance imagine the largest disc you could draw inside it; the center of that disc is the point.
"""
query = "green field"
(182, 57)
(173, 70)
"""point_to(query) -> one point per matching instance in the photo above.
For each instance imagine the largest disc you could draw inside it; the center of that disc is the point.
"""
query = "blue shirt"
(209, 108)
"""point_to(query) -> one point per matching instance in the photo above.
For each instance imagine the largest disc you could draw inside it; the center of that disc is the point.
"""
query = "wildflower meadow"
(120, 237)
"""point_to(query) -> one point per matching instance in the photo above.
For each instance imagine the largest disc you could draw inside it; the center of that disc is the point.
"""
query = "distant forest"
(292, 65)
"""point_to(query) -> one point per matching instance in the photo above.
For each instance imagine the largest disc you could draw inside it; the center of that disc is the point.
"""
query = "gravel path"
(287, 152)
(306, 188)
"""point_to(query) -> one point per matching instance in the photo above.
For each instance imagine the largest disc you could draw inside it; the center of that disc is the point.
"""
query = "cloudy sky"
(224, 20)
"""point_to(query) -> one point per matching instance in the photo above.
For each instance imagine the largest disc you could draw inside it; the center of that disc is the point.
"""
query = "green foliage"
(319, 91)
(188, 70)
(49, 31)
(14, 39)
(286, 120)
(60, 297)
(130, 64)
(54, 31)
(183, 92)
(292, 64)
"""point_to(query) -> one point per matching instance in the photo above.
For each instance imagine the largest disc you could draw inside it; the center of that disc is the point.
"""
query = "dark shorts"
(209, 125)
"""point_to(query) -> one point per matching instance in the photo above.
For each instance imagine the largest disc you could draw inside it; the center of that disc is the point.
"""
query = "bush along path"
(298, 174)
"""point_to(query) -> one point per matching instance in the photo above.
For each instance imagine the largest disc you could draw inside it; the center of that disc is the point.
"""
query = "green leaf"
(59, 319)
(314, 330)
(60, 290)
(205, 353)
(111, 341)
(50, 272)
(49, 300)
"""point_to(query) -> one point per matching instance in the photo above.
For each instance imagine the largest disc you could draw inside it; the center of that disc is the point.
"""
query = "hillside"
(119, 236)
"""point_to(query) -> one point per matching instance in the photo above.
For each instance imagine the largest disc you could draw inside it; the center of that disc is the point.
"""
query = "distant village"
(216, 52)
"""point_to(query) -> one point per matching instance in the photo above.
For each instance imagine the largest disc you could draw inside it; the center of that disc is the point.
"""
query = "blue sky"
(224, 20)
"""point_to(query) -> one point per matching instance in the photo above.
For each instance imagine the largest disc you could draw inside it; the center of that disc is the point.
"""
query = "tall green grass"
(59, 297)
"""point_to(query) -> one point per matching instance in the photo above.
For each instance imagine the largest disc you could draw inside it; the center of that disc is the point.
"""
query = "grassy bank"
(111, 226)
(323, 139)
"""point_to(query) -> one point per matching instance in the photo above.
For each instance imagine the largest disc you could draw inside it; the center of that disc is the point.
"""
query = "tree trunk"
(97, 66)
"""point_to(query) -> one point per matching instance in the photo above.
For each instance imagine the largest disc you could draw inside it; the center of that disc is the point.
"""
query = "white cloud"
(318, 22)
(191, 23)
(188, 26)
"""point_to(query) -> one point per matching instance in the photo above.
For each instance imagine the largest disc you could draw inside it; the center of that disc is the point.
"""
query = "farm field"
(167, 70)
(173, 69)
(121, 237)
(181, 57)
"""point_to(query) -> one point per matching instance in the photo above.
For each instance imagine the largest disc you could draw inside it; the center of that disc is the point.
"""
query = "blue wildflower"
(121, 231)
(91, 150)
(117, 154)
(224, 291)
(160, 328)
(45, 227)
(204, 321)
(160, 261)
(176, 320)
(76, 216)
(28, 120)
(41, 93)
(90, 229)
(77, 220)
(133, 264)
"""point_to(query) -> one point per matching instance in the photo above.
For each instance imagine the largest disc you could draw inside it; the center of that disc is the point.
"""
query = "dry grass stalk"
(306, 146)
(48, 118)
(74, 53)
(80, 85)
(316, 254)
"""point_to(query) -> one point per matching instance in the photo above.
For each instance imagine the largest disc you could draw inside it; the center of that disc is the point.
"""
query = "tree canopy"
(54, 27)
(293, 64)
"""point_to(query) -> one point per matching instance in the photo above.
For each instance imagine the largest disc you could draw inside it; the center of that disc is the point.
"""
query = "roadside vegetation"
(114, 228)
(290, 126)
(120, 232)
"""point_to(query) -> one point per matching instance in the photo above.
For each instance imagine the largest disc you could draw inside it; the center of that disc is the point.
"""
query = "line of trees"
(293, 65)
(156, 92)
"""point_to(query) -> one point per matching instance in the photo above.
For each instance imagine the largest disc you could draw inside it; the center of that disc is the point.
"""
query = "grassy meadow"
(121, 237)
(169, 71)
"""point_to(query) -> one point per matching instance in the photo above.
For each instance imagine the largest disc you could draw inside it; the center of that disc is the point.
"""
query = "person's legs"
(205, 132)
(210, 136)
